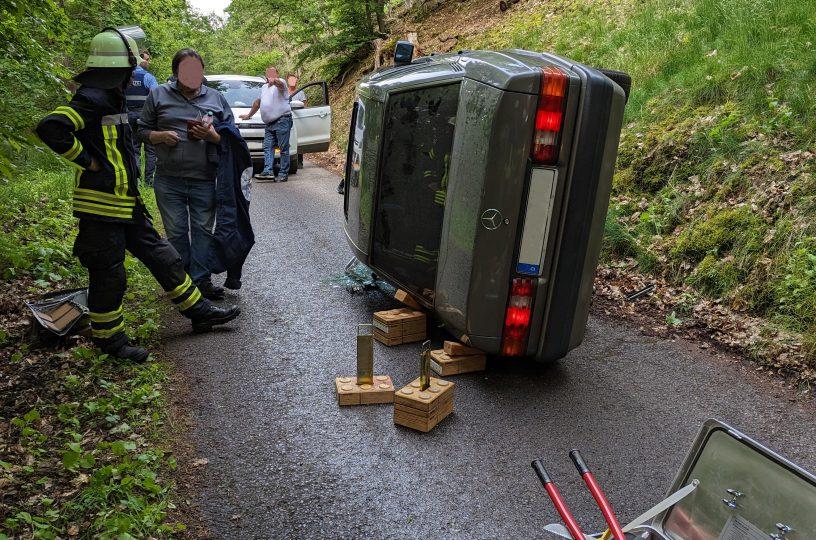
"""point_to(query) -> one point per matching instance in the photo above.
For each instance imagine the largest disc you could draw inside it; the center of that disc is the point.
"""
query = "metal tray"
(746, 492)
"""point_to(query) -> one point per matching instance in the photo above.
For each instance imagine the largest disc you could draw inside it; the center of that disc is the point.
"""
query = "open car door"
(313, 118)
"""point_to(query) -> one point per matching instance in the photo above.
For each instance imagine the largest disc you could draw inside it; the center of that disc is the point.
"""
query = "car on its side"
(311, 128)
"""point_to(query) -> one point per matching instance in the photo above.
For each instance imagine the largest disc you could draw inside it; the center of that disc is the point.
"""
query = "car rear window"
(417, 142)
(238, 93)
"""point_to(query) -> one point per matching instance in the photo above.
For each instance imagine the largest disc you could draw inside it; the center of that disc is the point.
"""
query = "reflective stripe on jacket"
(95, 125)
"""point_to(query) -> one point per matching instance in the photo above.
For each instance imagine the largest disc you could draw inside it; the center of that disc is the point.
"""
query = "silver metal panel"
(743, 487)
(488, 172)
(537, 218)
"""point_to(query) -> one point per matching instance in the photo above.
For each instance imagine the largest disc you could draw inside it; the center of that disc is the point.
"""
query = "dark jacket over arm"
(233, 234)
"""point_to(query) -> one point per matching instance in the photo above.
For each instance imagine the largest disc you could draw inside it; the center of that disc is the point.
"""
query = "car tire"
(293, 165)
(257, 166)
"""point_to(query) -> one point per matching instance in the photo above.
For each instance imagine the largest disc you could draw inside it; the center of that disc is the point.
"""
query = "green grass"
(84, 456)
(712, 188)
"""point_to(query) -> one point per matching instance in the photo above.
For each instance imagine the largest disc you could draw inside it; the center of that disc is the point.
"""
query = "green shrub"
(715, 276)
(720, 233)
(795, 287)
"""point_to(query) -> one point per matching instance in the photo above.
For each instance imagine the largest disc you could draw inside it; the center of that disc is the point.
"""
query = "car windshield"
(238, 93)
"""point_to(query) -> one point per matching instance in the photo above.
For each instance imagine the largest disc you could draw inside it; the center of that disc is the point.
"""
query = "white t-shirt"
(300, 96)
(274, 103)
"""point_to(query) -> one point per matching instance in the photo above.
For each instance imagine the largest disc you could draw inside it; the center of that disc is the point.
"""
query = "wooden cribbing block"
(401, 325)
(350, 393)
(406, 299)
(454, 348)
(423, 409)
(445, 365)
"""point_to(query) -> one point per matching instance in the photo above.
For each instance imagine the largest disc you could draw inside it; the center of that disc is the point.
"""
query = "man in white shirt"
(277, 115)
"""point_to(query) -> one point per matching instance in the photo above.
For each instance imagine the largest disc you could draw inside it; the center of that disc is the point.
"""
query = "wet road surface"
(286, 462)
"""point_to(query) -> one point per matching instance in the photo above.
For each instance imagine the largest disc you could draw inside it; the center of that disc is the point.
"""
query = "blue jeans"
(277, 134)
(187, 208)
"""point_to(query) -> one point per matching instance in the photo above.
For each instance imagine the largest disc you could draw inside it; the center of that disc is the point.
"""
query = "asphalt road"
(286, 462)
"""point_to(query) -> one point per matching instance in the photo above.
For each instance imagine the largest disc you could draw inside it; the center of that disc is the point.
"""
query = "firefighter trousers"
(100, 247)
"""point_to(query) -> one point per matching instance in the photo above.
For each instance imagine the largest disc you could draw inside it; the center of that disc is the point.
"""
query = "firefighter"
(92, 132)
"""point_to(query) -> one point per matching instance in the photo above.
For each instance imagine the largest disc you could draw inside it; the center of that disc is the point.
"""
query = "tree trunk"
(377, 53)
(367, 4)
(381, 26)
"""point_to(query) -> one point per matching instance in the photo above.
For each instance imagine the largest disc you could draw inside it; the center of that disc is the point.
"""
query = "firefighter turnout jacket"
(94, 124)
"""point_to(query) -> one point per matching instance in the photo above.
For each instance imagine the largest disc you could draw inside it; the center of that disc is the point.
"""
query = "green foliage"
(121, 477)
(719, 233)
(320, 36)
(795, 288)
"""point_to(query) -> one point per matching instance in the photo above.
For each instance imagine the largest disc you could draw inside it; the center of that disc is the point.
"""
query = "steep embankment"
(713, 198)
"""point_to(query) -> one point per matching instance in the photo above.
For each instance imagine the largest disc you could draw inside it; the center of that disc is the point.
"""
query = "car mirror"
(297, 104)
(403, 53)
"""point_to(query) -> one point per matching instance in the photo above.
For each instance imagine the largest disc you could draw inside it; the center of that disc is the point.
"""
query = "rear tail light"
(549, 116)
(517, 318)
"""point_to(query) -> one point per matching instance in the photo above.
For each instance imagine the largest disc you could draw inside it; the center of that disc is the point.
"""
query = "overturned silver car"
(479, 183)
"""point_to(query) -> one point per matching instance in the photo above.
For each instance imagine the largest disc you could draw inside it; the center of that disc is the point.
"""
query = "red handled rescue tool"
(558, 501)
(597, 494)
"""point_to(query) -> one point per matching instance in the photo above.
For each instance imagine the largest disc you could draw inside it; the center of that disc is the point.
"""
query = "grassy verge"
(79, 432)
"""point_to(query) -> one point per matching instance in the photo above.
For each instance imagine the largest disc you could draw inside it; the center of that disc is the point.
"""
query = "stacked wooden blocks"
(398, 326)
(456, 358)
(351, 393)
(423, 409)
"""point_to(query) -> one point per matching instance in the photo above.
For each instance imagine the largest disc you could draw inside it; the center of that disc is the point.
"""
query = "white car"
(312, 121)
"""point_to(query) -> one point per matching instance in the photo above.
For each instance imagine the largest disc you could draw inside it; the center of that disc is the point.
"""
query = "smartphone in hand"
(190, 125)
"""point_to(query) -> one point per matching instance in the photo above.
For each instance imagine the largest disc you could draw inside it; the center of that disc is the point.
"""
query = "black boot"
(204, 315)
(122, 349)
(232, 283)
(210, 291)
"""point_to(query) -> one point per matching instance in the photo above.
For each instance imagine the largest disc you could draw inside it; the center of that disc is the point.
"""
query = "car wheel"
(257, 166)
(293, 165)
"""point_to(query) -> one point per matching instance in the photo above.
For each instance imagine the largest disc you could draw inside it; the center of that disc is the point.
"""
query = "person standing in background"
(140, 85)
(291, 82)
(180, 118)
(276, 113)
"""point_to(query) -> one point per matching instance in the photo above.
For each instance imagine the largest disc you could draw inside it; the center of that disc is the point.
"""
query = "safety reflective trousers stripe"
(72, 115)
(178, 291)
(107, 324)
(104, 333)
(191, 300)
(74, 151)
(185, 295)
(107, 317)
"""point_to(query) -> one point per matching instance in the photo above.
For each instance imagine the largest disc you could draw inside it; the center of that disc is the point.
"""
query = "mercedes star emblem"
(491, 219)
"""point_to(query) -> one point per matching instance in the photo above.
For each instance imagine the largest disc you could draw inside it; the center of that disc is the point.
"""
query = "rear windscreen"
(417, 142)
